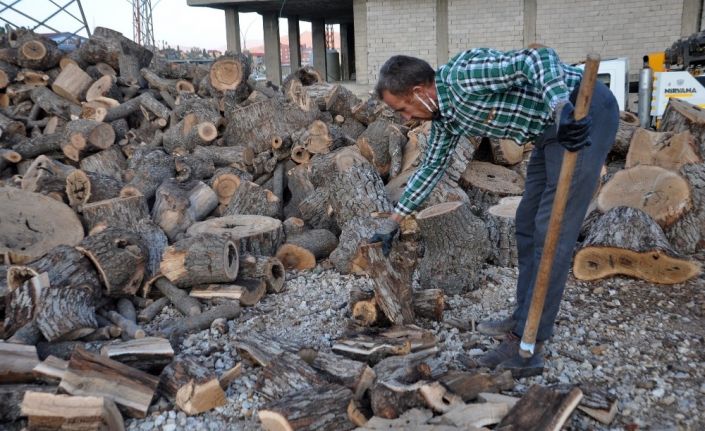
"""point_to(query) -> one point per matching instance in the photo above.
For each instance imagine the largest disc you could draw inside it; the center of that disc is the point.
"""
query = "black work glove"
(385, 234)
(572, 134)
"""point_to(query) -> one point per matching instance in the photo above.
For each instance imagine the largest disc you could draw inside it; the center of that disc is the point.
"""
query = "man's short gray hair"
(401, 73)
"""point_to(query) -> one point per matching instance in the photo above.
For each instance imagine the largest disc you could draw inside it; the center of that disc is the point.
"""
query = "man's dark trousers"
(534, 211)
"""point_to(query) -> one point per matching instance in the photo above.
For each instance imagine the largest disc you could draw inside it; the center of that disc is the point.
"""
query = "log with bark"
(628, 124)
(50, 411)
(687, 234)
(302, 250)
(186, 305)
(287, 373)
(250, 198)
(627, 241)
(322, 408)
(191, 167)
(247, 291)
(502, 233)
(667, 150)
(17, 363)
(192, 387)
(107, 46)
(485, 184)
(202, 259)
(124, 212)
(89, 374)
(681, 116)
(147, 172)
(269, 269)
(258, 235)
(178, 205)
(72, 83)
(541, 408)
(175, 330)
(381, 143)
(39, 53)
(354, 375)
(83, 187)
(11, 399)
(46, 176)
(469, 385)
(241, 157)
(505, 152)
(53, 104)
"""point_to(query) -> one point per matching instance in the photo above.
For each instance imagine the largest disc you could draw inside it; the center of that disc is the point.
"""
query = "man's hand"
(385, 234)
(572, 134)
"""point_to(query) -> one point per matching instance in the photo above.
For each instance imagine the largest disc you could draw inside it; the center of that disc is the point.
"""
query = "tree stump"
(667, 150)
(456, 247)
(259, 235)
(178, 205)
(486, 183)
(202, 259)
(662, 194)
(687, 234)
(627, 241)
(502, 232)
(628, 124)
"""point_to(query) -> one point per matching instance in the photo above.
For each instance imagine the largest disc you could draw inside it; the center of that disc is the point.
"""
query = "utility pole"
(142, 27)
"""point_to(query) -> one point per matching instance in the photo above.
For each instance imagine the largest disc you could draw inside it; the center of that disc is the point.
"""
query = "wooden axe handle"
(582, 106)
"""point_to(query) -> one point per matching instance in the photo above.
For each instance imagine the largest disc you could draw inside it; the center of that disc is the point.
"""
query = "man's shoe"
(507, 349)
(525, 367)
(495, 328)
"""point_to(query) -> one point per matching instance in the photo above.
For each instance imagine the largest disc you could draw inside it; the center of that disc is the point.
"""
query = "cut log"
(225, 182)
(50, 370)
(414, 152)
(143, 101)
(228, 311)
(39, 145)
(247, 291)
(102, 87)
(667, 150)
(184, 137)
(451, 229)
(662, 194)
(381, 144)
(261, 350)
(106, 46)
(186, 305)
(38, 53)
(130, 330)
(299, 154)
(17, 363)
(10, 127)
(86, 136)
(628, 124)
(257, 235)
(148, 173)
(429, 303)
(190, 386)
(149, 354)
(178, 205)
(321, 409)
(446, 190)
(687, 234)
(269, 269)
(468, 385)
(485, 184)
(501, 232)
(249, 198)
(240, 157)
(72, 83)
(53, 104)
(83, 187)
(49, 411)
(395, 341)
(681, 116)
(301, 251)
(229, 71)
(8, 72)
(474, 416)
(287, 373)
(150, 312)
(89, 374)
(119, 256)
(506, 152)
(353, 234)
(202, 259)
(354, 375)
(369, 110)
(627, 241)
(33, 224)
(541, 409)
(11, 400)
(117, 212)
(172, 86)
(190, 167)
(45, 176)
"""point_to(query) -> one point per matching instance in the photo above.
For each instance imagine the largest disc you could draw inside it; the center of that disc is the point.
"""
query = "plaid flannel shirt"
(485, 92)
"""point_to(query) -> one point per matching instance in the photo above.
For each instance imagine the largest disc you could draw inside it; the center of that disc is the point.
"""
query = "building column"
(360, 24)
(272, 53)
(318, 29)
(345, 44)
(441, 32)
(529, 22)
(294, 43)
(232, 30)
(690, 20)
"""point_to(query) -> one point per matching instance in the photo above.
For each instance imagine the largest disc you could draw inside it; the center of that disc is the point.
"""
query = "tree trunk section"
(320, 409)
(667, 150)
(192, 387)
(687, 234)
(627, 241)
(485, 184)
(53, 104)
(542, 409)
(506, 152)
(106, 46)
(45, 176)
(681, 116)
(83, 187)
(190, 167)
(249, 198)
(628, 125)
(110, 162)
(269, 269)
(451, 230)
(203, 259)
(187, 305)
(148, 173)
(38, 53)
(257, 235)
(287, 373)
(178, 205)
(117, 212)
(240, 157)
(502, 232)
(307, 247)
(72, 83)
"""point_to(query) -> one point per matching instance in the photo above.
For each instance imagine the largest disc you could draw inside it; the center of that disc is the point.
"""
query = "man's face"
(409, 107)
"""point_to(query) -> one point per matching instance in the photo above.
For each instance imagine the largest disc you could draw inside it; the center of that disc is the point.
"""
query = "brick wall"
(360, 28)
(399, 27)
(492, 24)
(625, 28)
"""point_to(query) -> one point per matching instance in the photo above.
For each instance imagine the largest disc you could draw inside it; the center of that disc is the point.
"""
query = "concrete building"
(374, 30)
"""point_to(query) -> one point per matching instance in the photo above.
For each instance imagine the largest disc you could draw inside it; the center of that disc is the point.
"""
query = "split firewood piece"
(300, 187)
(261, 350)
(382, 145)
(172, 86)
(681, 116)
(33, 224)
(72, 83)
(53, 104)
(354, 375)
(249, 198)
(202, 259)
(287, 373)
(501, 231)
(301, 251)
(17, 362)
(46, 176)
(392, 283)
(541, 408)
(247, 291)
(667, 150)
(192, 387)
(117, 212)
(416, 418)
(258, 235)
(83, 187)
(190, 167)
(89, 374)
(178, 205)
(186, 305)
(429, 303)
(506, 152)
(687, 234)
(372, 349)
(144, 100)
(148, 172)
(440, 400)
(468, 385)
(228, 311)
(662, 194)
(627, 241)
(185, 136)
(50, 411)
(149, 354)
(473, 416)
(50, 370)
(628, 125)
(486, 183)
(225, 182)
(451, 229)
(229, 71)
(38, 53)
(241, 157)
(110, 162)
(119, 255)
(355, 233)
(8, 71)
(321, 408)
(102, 87)
(11, 399)
(364, 308)
(269, 269)
(130, 330)
(229, 376)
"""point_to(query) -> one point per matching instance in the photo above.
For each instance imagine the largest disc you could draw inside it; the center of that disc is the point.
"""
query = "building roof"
(332, 11)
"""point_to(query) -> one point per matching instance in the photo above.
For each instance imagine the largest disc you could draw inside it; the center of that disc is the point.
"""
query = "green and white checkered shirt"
(485, 92)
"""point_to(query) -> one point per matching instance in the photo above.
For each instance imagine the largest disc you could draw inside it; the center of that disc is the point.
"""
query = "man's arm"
(485, 71)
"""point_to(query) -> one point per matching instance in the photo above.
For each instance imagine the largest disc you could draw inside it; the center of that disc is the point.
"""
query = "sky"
(174, 22)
